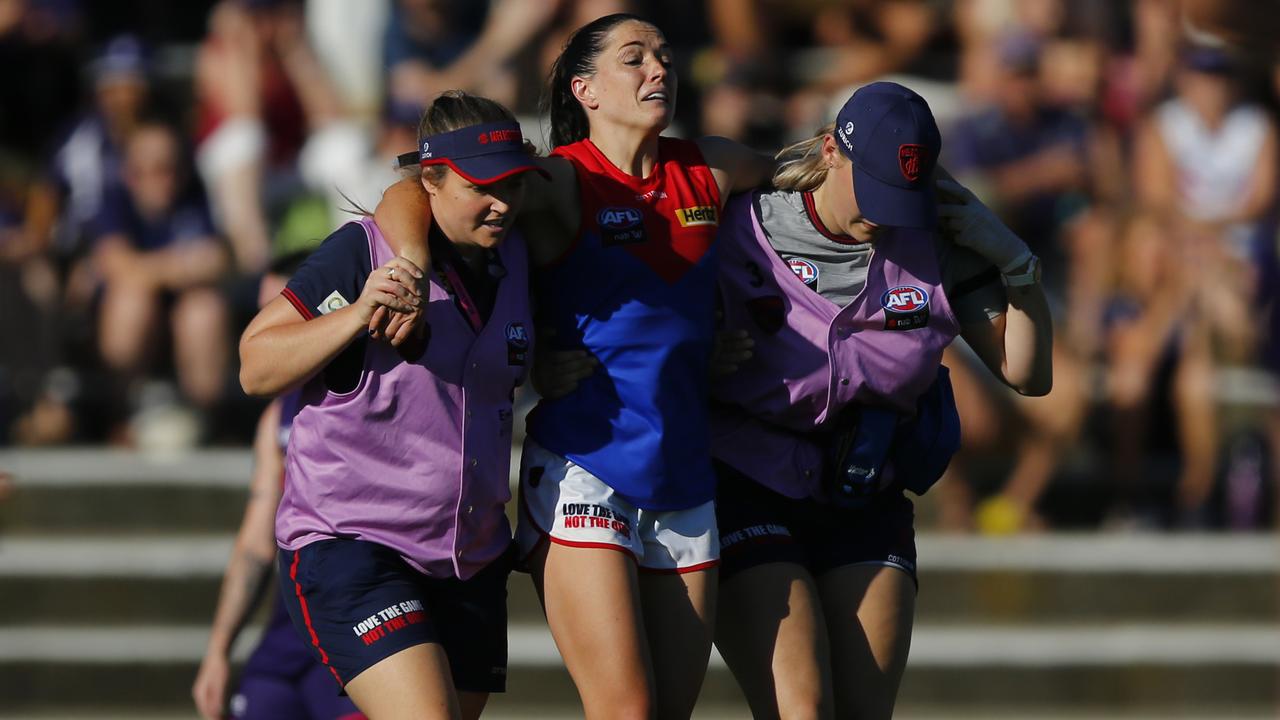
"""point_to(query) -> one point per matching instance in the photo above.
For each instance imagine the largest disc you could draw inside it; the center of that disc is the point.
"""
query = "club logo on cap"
(426, 149)
(848, 128)
(483, 139)
(911, 158)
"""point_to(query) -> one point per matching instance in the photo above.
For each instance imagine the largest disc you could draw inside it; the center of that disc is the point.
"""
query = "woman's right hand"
(210, 688)
(556, 373)
(396, 286)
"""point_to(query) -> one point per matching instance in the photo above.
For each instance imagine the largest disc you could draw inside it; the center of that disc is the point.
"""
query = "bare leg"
(472, 704)
(127, 324)
(679, 618)
(201, 344)
(1052, 424)
(979, 428)
(770, 631)
(413, 684)
(592, 600)
(1193, 396)
(869, 612)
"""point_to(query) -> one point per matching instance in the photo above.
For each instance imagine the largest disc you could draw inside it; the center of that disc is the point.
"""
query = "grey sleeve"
(972, 285)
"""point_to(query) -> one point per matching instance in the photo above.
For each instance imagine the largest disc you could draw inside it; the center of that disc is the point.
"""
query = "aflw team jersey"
(637, 290)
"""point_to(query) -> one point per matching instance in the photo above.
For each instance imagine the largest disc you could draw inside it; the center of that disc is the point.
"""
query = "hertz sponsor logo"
(698, 215)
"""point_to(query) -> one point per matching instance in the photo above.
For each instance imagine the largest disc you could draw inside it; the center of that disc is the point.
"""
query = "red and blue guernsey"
(637, 290)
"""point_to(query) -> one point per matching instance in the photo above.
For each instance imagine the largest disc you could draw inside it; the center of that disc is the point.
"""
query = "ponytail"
(577, 59)
(800, 165)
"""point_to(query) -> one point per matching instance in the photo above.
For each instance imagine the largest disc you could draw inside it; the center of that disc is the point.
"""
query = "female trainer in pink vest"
(395, 549)
(850, 290)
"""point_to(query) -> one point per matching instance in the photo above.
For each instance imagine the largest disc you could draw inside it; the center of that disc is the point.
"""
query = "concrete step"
(107, 492)
(1126, 667)
(174, 579)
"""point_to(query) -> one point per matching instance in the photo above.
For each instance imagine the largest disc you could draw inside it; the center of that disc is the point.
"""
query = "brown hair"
(454, 110)
(577, 59)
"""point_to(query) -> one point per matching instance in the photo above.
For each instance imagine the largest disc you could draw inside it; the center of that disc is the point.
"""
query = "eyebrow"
(663, 46)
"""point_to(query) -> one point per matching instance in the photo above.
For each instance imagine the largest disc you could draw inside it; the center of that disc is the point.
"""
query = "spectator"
(158, 257)
(86, 165)
(260, 91)
(1207, 157)
(1157, 361)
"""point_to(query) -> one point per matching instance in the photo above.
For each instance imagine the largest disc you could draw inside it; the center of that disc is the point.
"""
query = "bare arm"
(178, 267)
(548, 215)
(248, 569)
(1017, 346)
(1154, 173)
(281, 349)
(736, 167)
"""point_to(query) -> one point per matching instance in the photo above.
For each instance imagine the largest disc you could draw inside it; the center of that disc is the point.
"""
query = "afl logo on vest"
(620, 226)
(805, 270)
(517, 343)
(906, 307)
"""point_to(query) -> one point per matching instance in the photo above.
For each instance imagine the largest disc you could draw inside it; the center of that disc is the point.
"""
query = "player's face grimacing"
(635, 82)
(475, 216)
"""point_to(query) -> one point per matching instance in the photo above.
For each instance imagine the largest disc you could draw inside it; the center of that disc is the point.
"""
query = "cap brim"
(485, 169)
(890, 206)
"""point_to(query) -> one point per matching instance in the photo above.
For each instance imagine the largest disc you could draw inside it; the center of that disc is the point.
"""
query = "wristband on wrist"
(1030, 274)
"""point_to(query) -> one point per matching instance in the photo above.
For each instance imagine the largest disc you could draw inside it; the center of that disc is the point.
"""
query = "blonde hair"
(800, 165)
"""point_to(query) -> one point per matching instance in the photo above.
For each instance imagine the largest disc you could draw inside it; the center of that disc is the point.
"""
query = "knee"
(202, 311)
(637, 709)
(626, 701)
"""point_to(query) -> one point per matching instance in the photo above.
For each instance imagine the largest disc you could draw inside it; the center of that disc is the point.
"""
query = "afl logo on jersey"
(620, 226)
(805, 270)
(517, 343)
(618, 218)
(516, 335)
(906, 307)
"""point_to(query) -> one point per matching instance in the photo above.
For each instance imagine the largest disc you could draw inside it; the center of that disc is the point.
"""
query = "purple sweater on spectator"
(813, 358)
(416, 455)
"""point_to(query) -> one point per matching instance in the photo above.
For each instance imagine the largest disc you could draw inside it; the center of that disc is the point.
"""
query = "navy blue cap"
(1208, 60)
(480, 153)
(123, 56)
(889, 134)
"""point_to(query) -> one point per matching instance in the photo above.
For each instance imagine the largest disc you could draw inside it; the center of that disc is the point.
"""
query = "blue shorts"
(758, 526)
(355, 603)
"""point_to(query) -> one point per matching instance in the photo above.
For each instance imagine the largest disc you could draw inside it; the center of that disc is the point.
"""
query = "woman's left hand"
(968, 222)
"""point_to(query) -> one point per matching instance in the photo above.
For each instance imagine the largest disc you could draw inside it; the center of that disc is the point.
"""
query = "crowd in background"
(157, 157)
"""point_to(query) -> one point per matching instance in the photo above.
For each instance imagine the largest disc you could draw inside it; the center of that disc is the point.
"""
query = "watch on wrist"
(1030, 274)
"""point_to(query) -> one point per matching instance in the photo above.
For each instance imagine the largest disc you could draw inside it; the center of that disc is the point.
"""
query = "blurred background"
(1106, 551)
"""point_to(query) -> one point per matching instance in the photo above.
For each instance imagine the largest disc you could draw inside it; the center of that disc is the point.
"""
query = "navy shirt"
(188, 220)
(334, 276)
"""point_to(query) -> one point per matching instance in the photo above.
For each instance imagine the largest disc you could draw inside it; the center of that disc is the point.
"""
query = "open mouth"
(658, 96)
